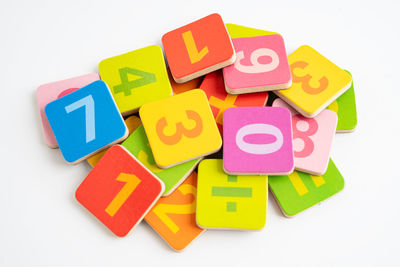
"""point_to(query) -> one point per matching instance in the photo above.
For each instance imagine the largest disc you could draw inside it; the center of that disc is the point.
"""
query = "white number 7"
(89, 113)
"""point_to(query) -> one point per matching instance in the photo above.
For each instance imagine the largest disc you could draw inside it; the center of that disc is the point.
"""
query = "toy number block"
(345, 108)
(138, 144)
(312, 139)
(258, 140)
(261, 65)
(47, 93)
(180, 128)
(198, 48)
(85, 122)
(238, 31)
(317, 82)
(230, 202)
(173, 217)
(136, 78)
(299, 191)
(119, 191)
(220, 100)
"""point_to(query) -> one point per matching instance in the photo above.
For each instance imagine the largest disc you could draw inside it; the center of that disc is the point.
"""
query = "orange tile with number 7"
(119, 191)
(173, 217)
(198, 48)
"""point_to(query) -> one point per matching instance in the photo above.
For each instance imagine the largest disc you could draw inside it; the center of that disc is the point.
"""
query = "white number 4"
(88, 103)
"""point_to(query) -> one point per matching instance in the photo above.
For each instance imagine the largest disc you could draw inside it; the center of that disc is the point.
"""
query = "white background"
(41, 224)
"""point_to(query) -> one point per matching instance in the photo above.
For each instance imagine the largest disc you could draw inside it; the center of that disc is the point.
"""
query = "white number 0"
(89, 114)
(256, 66)
(259, 149)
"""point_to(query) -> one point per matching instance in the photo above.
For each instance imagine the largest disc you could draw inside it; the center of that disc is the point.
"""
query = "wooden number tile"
(180, 128)
(230, 202)
(258, 140)
(136, 78)
(119, 191)
(174, 217)
(49, 92)
(317, 82)
(238, 31)
(299, 191)
(345, 108)
(312, 139)
(261, 65)
(86, 121)
(198, 48)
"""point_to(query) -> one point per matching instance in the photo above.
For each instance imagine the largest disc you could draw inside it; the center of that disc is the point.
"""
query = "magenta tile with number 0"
(49, 92)
(312, 139)
(261, 65)
(257, 140)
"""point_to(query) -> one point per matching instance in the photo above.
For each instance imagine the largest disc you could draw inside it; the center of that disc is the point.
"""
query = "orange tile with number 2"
(173, 217)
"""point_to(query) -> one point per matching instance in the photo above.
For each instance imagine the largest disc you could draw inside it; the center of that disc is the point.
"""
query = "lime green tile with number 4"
(136, 78)
(138, 144)
(230, 201)
(345, 108)
(237, 31)
(299, 191)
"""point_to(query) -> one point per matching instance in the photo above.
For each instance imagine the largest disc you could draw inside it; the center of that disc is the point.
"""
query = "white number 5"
(89, 114)
(256, 66)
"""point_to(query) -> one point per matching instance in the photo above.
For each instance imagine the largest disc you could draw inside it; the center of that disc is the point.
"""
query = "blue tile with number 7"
(86, 121)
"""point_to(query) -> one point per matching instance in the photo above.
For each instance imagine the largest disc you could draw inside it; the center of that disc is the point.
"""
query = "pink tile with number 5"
(312, 139)
(257, 140)
(261, 65)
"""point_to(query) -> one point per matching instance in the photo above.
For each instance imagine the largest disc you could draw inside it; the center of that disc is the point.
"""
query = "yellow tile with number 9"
(317, 82)
(180, 128)
(136, 78)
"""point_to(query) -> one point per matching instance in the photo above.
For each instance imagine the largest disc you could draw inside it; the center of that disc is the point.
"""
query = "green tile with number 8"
(345, 108)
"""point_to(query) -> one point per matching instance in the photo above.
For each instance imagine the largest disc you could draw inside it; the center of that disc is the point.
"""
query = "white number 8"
(259, 149)
(256, 66)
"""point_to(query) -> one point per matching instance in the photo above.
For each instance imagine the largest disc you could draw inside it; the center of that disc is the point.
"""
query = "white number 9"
(256, 66)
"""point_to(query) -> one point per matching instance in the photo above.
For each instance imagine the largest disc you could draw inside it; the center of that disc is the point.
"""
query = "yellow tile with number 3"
(136, 78)
(317, 82)
(180, 128)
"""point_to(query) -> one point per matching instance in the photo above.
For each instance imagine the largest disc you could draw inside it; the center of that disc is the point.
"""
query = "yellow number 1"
(131, 182)
(194, 54)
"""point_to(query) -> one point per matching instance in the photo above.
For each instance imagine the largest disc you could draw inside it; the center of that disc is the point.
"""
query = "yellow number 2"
(194, 54)
(131, 182)
(161, 210)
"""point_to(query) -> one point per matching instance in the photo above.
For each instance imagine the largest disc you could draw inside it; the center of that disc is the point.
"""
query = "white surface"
(41, 224)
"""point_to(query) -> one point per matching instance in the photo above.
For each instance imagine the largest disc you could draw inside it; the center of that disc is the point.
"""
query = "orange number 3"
(305, 80)
(180, 129)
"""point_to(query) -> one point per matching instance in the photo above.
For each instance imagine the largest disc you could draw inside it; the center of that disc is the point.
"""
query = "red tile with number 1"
(119, 191)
